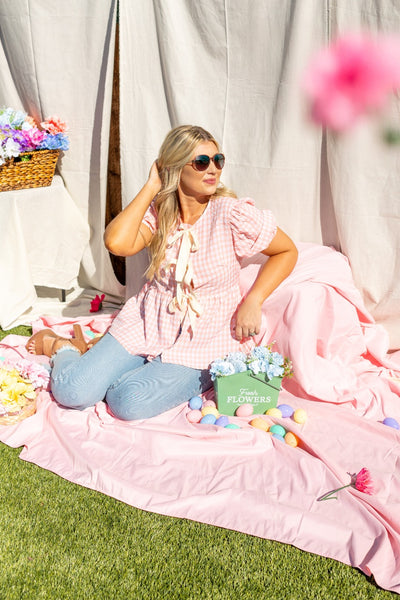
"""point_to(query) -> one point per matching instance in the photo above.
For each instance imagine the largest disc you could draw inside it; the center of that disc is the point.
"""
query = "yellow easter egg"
(260, 423)
(274, 412)
(209, 410)
(300, 416)
(291, 439)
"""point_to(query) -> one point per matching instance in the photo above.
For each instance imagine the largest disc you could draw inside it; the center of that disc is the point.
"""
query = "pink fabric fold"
(243, 479)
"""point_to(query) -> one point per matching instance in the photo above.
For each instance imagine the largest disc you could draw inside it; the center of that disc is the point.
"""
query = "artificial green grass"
(61, 541)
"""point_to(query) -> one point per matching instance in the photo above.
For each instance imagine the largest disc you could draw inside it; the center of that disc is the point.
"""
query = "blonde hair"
(175, 152)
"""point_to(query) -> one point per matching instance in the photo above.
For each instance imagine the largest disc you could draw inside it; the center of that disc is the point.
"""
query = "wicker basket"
(26, 411)
(29, 170)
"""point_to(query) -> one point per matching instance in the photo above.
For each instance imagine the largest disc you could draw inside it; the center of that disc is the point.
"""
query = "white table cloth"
(42, 239)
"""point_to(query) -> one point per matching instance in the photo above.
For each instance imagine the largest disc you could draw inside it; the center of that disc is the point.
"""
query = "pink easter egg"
(244, 410)
(194, 416)
(210, 403)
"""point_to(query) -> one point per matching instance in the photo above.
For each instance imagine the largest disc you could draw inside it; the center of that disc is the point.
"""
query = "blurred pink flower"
(54, 125)
(353, 75)
(97, 303)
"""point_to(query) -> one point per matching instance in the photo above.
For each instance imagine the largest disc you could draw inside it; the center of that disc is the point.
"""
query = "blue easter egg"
(208, 419)
(195, 403)
(278, 437)
(278, 429)
(390, 422)
(222, 421)
(232, 426)
(286, 410)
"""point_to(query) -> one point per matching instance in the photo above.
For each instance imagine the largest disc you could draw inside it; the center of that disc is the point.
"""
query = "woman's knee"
(70, 390)
(143, 395)
(71, 396)
(129, 406)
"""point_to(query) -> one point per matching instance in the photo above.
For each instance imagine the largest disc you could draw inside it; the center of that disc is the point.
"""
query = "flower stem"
(330, 496)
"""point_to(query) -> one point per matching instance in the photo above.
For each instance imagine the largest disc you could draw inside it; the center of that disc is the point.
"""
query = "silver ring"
(251, 333)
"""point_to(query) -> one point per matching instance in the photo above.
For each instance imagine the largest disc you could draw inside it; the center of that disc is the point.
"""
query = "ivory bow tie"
(185, 299)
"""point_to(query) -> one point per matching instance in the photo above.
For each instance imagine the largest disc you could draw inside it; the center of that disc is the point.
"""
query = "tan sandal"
(40, 343)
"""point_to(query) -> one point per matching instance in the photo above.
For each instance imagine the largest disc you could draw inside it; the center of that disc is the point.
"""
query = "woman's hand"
(154, 179)
(122, 236)
(248, 318)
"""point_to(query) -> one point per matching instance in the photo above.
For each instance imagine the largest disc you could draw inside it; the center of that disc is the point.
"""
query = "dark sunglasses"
(201, 162)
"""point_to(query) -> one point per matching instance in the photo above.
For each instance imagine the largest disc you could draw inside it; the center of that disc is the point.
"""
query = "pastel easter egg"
(260, 423)
(278, 437)
(232, 426)
(278, 429)
(286, 410)
(222, 421)
(390, 422)
(195, 403)
(210, 403)
(300, 416)
(194, 416)
(274, 412)
(208, 419)
(291, 439)
(244, 410)
(210, 410)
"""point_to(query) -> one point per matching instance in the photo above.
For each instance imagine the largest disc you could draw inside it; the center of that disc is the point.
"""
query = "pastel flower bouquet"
(29, 151)
(254, 378)
(19, 383)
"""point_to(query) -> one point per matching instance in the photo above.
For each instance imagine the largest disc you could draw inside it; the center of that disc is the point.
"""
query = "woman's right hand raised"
(154, 179)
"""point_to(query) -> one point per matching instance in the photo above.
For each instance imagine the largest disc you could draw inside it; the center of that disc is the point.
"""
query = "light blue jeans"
(132, 386)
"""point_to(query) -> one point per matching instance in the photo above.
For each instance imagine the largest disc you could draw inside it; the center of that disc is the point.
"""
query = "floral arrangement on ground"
(260, 359)
(20, 133)
(19, 383)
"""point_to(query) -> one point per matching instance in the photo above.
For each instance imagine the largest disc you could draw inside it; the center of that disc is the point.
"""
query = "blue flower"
(238, 365)
(276, 359)
(255, 366)
(221, 368)
(59, 141)
(261, 352)
(237, 356)
(238, 360)
(8, 116)
(274, 371)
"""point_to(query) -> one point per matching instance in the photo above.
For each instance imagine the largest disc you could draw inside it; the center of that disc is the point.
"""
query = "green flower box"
(232, 391)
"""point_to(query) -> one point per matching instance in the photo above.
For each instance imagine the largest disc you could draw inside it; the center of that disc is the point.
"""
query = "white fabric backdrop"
(234, 67)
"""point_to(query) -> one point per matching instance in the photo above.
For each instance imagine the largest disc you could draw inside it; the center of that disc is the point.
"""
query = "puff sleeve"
(252, 229)
(150, 218)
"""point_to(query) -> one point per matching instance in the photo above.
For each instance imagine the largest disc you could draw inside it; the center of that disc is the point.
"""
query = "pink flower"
(97, 303)
(361, 481)
(33, 136)
(54, 125)
(38, 375)
(31, 121)
(352, 76)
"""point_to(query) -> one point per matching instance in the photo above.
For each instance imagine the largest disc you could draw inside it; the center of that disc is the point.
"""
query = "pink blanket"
(244, 479)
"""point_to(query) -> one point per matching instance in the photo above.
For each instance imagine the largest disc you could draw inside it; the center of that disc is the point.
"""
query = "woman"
(158, 349)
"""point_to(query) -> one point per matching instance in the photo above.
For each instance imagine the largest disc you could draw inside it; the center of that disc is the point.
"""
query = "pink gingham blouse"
(185, 315)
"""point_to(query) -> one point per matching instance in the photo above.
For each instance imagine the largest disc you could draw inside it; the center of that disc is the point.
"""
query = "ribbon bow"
(185, 299)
